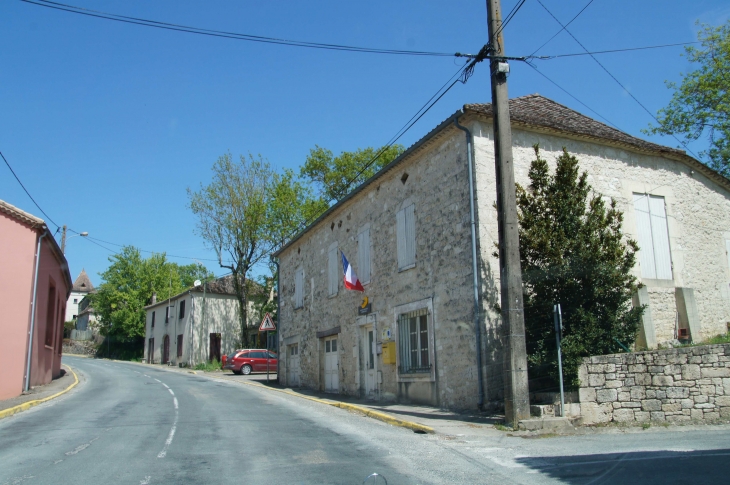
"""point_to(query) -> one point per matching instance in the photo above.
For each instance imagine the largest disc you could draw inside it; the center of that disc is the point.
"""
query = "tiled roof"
(540, 111)
(83, 283)
(20, 215)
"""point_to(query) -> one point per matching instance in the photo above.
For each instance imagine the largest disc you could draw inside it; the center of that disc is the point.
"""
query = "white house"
(82, 287)
(407, 231)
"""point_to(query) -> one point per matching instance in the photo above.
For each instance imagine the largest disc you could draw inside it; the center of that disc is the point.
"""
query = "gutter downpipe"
(275, 260)
(475, 264)
(32, 312)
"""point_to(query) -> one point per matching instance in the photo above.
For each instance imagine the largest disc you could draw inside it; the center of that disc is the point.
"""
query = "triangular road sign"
(267, 324)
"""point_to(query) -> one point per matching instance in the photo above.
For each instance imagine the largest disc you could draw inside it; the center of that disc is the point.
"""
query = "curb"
(27, 405)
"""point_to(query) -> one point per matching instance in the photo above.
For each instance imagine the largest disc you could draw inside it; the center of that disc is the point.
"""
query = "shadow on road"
(645, 467)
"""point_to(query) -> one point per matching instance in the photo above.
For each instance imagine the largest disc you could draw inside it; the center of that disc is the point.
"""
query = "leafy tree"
(127, 287)
(234, 218)
(334, 177)
(573, 252)
(701, 105)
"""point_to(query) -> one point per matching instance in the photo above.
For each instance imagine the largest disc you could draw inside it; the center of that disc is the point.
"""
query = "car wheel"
(245, 369)
(237, 372)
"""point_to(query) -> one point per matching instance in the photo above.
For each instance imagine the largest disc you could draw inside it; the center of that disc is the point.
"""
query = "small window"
(182, 309)
(153, 319)
(327, 346)
(76, 300)
(299, 288)
(413, 342)
(334, 345)
(167, 314)
(294, 349)
(406, 237)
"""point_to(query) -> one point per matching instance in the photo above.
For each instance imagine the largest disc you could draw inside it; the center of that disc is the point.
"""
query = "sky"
(107, 124)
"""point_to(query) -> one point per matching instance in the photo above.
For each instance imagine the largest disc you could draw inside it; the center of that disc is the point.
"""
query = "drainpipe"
(192, 322)
(475, 263)
(31, 334)
(278, 314)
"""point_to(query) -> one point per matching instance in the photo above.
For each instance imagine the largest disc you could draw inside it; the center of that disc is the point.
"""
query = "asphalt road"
(134, 424)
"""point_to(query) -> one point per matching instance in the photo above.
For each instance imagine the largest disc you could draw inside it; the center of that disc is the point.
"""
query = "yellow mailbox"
(389, 353)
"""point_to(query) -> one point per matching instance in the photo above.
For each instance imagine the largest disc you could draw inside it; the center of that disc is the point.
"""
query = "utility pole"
(516, 392)
(63, 240)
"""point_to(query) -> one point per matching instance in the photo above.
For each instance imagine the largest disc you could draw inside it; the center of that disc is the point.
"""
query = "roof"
(535, 112)
(220, 286)
(21, 216)
(83, 283)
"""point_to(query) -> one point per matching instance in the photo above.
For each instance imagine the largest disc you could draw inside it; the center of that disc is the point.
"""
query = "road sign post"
(267, 325)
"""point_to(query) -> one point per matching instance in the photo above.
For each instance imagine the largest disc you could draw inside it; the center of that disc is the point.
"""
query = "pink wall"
(17, 259)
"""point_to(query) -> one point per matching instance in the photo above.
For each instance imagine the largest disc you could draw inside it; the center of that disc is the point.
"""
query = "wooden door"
(331, 365)
(292, 365)
(215, 347)
(369, 371)
(166, 350)
(151, 351)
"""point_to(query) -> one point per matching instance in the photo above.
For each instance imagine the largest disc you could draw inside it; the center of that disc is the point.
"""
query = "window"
(167, 314)
(153, 319)
(179, 345)
(182, 309)
(299, 288)
(406, 233)
(50, 314)
(333, 270)
(294, 349)
(413, 342)
(363, 256)
(651, 221)
(76, 300)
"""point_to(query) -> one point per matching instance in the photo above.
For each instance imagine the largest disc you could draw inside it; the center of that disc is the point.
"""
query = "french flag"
(351, 281)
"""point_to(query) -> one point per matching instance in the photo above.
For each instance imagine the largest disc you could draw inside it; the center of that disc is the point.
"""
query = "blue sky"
(107, 123)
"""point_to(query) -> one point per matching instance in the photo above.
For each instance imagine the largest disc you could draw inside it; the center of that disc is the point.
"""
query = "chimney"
(154, 298)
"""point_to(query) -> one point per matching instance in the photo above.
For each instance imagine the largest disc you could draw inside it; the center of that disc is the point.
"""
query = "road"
(133, 424)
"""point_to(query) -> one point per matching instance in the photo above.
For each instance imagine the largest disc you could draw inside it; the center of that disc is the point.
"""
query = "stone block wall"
(672, 385)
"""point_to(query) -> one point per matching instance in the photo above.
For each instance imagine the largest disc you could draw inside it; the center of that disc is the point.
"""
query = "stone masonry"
(672, 385)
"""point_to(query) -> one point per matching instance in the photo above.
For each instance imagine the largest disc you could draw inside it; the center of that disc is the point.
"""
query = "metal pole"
(63, 240)
(267, 356)
(516, 391)
(558, 317)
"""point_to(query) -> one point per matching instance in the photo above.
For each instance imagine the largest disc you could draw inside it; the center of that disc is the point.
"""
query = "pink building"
(35, 286)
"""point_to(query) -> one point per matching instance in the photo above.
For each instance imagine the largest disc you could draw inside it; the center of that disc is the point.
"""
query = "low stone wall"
(681, 384)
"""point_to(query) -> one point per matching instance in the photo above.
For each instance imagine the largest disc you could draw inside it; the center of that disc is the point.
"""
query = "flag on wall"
(351, 281)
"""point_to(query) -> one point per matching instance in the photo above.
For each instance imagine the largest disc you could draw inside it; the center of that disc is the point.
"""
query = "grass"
(212, 366)
(503, 427)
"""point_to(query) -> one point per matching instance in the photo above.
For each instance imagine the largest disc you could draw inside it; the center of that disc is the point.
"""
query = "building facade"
(81, 288)
(407, 233)
(36, 284)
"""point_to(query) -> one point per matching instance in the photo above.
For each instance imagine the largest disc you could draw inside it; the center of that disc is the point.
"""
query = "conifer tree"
(573, 252)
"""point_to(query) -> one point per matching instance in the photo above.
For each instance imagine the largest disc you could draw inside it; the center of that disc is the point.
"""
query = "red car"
(246, 361)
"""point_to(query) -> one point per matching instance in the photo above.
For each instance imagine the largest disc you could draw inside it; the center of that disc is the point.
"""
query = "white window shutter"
(727, 251)
(298, 288)
(660, 236)
(646, 245)
(410, 214)
(363, 256)
(401, 237)
(333, 270)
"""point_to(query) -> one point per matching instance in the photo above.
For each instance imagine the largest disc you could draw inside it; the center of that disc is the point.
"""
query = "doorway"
(292, 365)
(151, 351)
(215, 347)
(331, 365)
(369, 363)
(166, 350)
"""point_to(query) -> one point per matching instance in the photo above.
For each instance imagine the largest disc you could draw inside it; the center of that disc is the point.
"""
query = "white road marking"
(57, 462)
(146, 480)
(164, 384)
(147, 376)
(159, 381)
(174, 400)
(171, 391)
(168, 442)
(81, 447)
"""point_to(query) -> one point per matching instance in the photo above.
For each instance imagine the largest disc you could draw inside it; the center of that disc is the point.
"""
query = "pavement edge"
(27, 405)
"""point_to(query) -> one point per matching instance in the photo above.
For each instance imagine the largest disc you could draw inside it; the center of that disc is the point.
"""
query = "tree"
(701, 105)
(234, 219)
(128, 284)
(573, 252)
(334, 177)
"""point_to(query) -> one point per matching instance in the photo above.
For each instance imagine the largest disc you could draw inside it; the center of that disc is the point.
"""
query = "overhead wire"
(610, 51)
(28, 193)
(224, 34)
(563, 28)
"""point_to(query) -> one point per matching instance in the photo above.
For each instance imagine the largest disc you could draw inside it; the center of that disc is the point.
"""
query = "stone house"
(407, 232)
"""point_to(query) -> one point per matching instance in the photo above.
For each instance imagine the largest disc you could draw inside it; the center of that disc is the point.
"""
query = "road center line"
(170, 391)
(168, 442)
(159, 381)
(163, 384)
(174, 400)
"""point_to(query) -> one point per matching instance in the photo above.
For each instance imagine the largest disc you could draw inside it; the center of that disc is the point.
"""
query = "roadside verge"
(29, 404)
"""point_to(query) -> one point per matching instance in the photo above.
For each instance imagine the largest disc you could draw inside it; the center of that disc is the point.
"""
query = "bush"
(211, 366)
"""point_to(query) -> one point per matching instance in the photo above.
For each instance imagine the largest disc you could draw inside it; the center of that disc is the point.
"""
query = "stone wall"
(673, 385)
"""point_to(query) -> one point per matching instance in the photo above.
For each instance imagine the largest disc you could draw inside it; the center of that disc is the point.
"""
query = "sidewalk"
(39, 393)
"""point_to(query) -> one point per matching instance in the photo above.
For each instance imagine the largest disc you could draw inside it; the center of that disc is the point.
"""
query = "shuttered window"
(651, 220)
(299, 288)
(727, 251)
(333, 270)
(406, 229)
(182, 310)
(363, 256)
(413, 342)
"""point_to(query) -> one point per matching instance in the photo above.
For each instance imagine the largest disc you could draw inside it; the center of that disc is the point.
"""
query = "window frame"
(426, 304)
(181, 312)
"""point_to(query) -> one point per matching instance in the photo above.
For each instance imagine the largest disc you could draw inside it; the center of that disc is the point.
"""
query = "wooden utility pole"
(516, 392)
(63, 240)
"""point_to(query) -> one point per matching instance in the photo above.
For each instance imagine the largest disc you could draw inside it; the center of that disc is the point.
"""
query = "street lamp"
(64, 238)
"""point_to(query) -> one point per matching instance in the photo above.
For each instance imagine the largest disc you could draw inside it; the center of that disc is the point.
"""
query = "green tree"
(234, 218)
(335, 177)
(573, 252)
(701, 104)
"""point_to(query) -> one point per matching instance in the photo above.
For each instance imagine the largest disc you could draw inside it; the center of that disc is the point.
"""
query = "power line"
(612, 76)
(562, 29)
(627, 49)
(26, 191)
(224, 34)
(508, 18)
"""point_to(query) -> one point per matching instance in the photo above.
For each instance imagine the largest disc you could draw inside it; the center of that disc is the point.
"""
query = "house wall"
(71, 307)
(441, 280)
(698, 215)
(17, 260)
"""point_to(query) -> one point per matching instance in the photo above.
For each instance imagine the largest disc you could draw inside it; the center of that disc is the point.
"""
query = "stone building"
(407, 232)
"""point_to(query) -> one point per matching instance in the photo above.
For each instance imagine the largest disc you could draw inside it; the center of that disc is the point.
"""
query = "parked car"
(246, 361)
